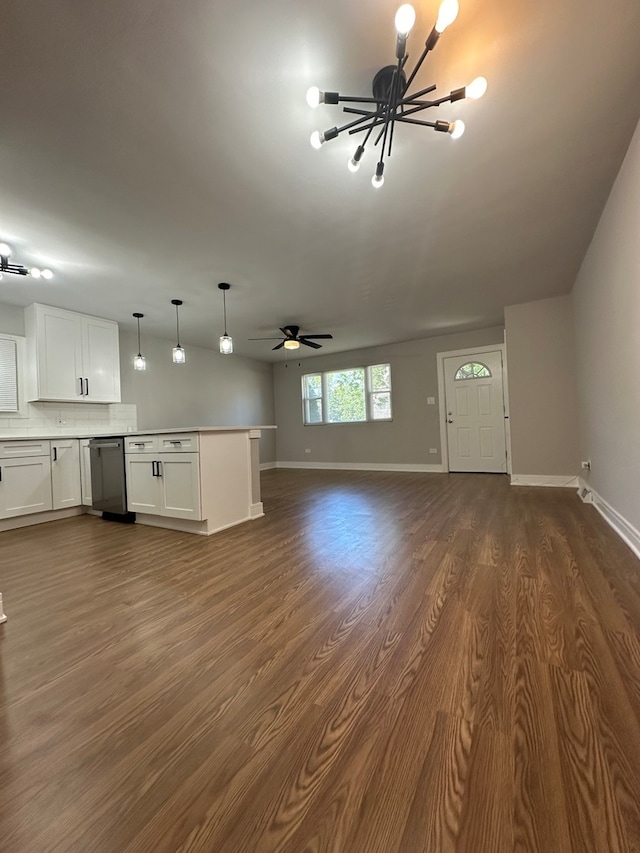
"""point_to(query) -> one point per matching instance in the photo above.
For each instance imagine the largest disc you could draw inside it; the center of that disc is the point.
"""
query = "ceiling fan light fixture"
(292, 344)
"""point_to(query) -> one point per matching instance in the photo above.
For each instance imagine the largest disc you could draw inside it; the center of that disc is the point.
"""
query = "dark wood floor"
(385, 663)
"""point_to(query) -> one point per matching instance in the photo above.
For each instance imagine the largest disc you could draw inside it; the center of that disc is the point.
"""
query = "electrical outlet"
(61, 421)
(586, 464)
(433, 450)
(307, 450)
(431, 401)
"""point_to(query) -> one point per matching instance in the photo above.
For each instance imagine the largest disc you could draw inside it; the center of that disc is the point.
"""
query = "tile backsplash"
(70, 419)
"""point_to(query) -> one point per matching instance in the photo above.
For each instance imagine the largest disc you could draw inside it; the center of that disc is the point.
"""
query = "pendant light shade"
(139, 361)
(179, 355)
(226, 341)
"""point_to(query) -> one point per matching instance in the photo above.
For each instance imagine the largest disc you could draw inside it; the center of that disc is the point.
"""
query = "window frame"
(324, 396)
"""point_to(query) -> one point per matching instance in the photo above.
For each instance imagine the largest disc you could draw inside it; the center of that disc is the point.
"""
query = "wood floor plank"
(383, 663)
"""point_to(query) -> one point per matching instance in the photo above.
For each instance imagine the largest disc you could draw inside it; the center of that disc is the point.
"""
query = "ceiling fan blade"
(279, 346)
(276, 338)
(309, 343)
(316, 337)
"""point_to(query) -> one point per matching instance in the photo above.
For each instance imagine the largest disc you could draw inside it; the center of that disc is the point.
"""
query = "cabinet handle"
(55, 454)
(0, 473)
(176, 443)
(86, 387)
(153, 468)
(159, 468)
(81, 386)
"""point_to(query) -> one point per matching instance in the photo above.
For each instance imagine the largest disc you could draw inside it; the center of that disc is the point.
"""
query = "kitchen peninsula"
(197, 480)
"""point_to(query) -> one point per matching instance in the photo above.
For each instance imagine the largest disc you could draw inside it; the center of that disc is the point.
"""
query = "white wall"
(543, 401)
(403, 441)
(209, 390)
(606, 299)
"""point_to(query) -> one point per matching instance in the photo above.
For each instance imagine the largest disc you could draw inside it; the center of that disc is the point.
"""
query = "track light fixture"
(391, 102)
(139, 361)
(179, 355)
(19, 269)
(226, 341)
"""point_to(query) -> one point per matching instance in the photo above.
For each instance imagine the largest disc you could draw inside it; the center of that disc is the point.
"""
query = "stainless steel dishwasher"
(108, 481)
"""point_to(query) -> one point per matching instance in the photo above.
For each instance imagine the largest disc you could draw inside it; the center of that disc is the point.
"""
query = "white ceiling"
(149, 150)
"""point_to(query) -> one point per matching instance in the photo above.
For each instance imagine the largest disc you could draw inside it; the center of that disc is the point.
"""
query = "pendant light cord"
(224, 308)
(138, 319)
(177, 325)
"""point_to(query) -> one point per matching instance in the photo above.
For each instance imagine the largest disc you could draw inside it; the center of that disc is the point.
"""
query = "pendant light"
(226, 341)
(139, 361)
(179, 355)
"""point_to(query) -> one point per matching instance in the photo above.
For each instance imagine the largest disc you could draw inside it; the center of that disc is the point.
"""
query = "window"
(473, 370)
(347, 396)
(8, 375)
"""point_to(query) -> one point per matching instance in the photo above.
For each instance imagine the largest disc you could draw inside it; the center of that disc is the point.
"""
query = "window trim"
(21, 371)
(367, 391)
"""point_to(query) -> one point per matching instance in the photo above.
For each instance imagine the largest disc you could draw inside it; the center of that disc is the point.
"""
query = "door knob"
(449, 420)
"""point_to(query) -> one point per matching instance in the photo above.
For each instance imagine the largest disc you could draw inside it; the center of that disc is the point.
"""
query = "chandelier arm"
(359, 121)
(425, 104)
(387, 112)
(419, 94)
(357, 112)
(416, 121)
(396, 100)
(375, 123)
(418, 65)
(354, 100)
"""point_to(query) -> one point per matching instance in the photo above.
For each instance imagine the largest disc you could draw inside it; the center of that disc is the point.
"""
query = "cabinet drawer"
(141, 444)
(20, 449)
(185, 442)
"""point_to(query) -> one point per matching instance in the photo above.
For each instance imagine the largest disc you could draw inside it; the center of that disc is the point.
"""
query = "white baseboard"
(256, 510)
(562, 481)
(39, 517)
(625, 530)
(363, 466)
(267, 466)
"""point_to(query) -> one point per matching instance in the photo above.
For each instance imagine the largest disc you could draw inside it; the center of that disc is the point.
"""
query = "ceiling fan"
(292, 339)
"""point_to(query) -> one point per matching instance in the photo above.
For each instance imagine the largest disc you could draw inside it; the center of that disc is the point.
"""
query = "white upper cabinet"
(71, 357)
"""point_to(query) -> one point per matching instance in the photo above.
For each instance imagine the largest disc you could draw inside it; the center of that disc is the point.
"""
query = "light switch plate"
(431, 401)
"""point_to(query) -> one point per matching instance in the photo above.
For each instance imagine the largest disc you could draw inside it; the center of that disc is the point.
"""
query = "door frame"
(471, 351)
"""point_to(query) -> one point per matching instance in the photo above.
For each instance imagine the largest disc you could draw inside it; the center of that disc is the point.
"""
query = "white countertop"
(102, 434)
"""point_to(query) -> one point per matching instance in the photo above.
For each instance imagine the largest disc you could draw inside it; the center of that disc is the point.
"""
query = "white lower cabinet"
(25, 485)
(65, 473)
(166, 484)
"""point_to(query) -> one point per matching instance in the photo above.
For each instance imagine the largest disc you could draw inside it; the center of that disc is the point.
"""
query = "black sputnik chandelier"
(391, 102)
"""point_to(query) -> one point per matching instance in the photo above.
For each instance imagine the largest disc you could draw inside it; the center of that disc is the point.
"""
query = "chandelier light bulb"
(5, 250)
(447, 14)
(47, 274)
(35, 272)
(314, 97)
(456, 129)
(353, 164)
(476, 88)
(405, 19)
(316, 140)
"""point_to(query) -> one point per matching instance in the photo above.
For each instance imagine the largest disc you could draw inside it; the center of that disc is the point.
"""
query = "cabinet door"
(58, 354)
(180, 485)
(143, 489)
(25, 486)
(65, 473)
(85, 472)
(101, 360)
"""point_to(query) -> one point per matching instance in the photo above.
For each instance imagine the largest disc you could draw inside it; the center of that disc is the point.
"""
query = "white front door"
(474, 400)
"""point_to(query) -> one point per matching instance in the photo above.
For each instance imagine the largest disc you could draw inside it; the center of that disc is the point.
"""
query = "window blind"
(8, 375)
